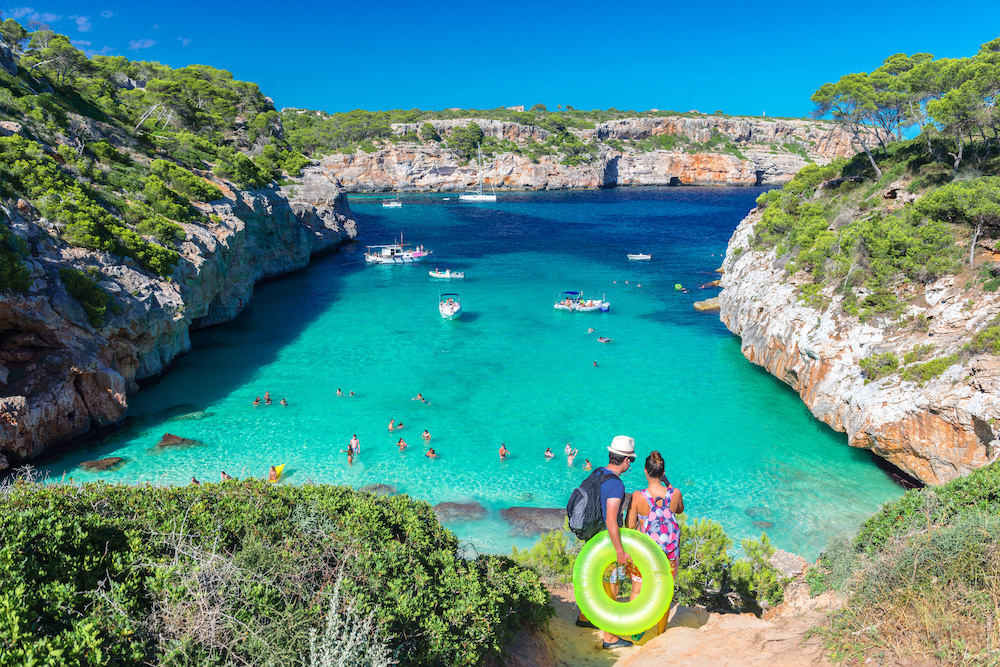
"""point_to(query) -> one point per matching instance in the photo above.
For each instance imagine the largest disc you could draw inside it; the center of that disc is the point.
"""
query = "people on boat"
(503, 451)
(548, 453)
(426, 435)
(272, 474)
(256, 401)
(226, 477)
(431, 454)
(401, 444)
(284, 402)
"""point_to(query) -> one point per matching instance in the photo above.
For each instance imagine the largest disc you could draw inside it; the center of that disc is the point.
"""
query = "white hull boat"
(395, 253)
(447, 274)
(574, 301)
(478, 195)
(391, 203)
(449, 306)
(639, 256)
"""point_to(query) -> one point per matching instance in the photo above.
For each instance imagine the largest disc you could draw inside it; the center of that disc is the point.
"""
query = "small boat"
(395, 253)
(392, 203)
(447, 274)
(574, 301)
(449, 305)
(640, 256)
(477, 194)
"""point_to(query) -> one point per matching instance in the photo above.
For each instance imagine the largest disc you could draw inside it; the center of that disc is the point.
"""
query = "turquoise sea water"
(738, 443)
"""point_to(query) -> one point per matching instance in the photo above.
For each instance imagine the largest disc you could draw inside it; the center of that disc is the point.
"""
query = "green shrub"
(241, 170)
(922, 373)
(552, 556)
(879, 365)
(184, 182)
(918, 353)
(754, 576)
(987, 339)
(13, 272)
(232, 571)
(93, 298)
(704, 560)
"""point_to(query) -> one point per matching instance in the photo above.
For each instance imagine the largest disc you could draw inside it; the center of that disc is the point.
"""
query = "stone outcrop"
(450, 511)
(533, 520)
(61, 377)
(935, 432)
(103, 464)
(764, 151)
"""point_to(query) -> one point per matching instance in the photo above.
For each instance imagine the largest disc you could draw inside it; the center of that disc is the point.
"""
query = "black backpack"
(584, 508)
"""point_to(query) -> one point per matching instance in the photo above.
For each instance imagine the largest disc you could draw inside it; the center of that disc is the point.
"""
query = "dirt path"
(693, 637)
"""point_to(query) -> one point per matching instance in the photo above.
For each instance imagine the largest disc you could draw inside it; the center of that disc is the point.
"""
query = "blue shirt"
(611, 488)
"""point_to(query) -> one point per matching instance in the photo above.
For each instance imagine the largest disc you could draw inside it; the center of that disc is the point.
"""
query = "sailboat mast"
(479, 162)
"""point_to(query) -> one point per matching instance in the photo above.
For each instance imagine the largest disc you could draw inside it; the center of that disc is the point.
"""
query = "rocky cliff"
(61, 378)
(935, 431)
(758, 151)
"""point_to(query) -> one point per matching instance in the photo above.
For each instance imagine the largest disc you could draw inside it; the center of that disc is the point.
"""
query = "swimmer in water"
(595, 365)
(570, 456)
(350, 457)
(590, 330)
(284, 402)
(503, 451)
(586, 464)
(399, 426)
(431, 454)
(426, 435)
(272, 474)
(267, 399)
(225, 477)
(548, 453)
(392, 424)
(352, 393)
(401, 444)
(340, 393)
(602, 339)
(195, 482)
(256, 401)
(355, 445)
(419, 397)
(568, 448)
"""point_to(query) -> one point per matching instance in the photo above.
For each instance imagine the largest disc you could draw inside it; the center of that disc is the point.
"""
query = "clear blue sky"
(738, 57)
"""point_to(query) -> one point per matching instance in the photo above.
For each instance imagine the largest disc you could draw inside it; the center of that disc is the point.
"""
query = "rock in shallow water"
(171, 440)
(763, 525)
(103, 464)
(459, 511)
(534, 520)
(379, 489)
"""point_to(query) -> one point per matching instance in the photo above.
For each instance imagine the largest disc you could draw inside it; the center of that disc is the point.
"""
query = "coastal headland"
(707, 150)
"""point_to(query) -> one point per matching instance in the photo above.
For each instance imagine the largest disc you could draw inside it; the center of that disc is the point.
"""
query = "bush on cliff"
(239, 573)
(922, 575)
(93, 298)
(13, 273)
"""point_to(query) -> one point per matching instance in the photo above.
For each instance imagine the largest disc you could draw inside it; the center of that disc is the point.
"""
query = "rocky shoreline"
(63, 379)
(936, 432)
(764, 151)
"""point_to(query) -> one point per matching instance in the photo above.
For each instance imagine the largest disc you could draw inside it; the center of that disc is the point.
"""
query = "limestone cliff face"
(772, 151)
(935, 432)
(61, 378)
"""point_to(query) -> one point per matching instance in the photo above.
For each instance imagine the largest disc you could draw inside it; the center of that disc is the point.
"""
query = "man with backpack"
(596, 505)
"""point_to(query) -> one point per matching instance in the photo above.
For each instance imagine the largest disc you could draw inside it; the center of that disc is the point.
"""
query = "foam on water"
(739, 443)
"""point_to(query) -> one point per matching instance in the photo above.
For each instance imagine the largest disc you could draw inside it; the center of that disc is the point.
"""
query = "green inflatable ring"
(623, 618)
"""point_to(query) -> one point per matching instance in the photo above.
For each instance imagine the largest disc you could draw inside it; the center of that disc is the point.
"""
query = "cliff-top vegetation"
(868, 233)
(317, 133)
(114, 154)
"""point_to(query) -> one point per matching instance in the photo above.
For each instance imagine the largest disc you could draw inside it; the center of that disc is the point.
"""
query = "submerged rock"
(103, 464)
(200, 414)
(756, 512)
(459, 511)
(534, 520)
(171, 440)
(379, 489)
(763, 525)
(707, 304)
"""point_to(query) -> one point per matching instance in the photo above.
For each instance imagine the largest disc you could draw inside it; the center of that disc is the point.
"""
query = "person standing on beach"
(621, 454)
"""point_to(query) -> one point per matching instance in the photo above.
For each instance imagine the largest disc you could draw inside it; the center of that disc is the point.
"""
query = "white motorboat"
(449, 305)
(574, 301)
(478, 195)
(395, 253)
(447, 274)
(392, 203)
(640, 256)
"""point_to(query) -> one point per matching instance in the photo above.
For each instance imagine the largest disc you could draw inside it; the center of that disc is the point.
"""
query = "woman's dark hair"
(654, 465)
